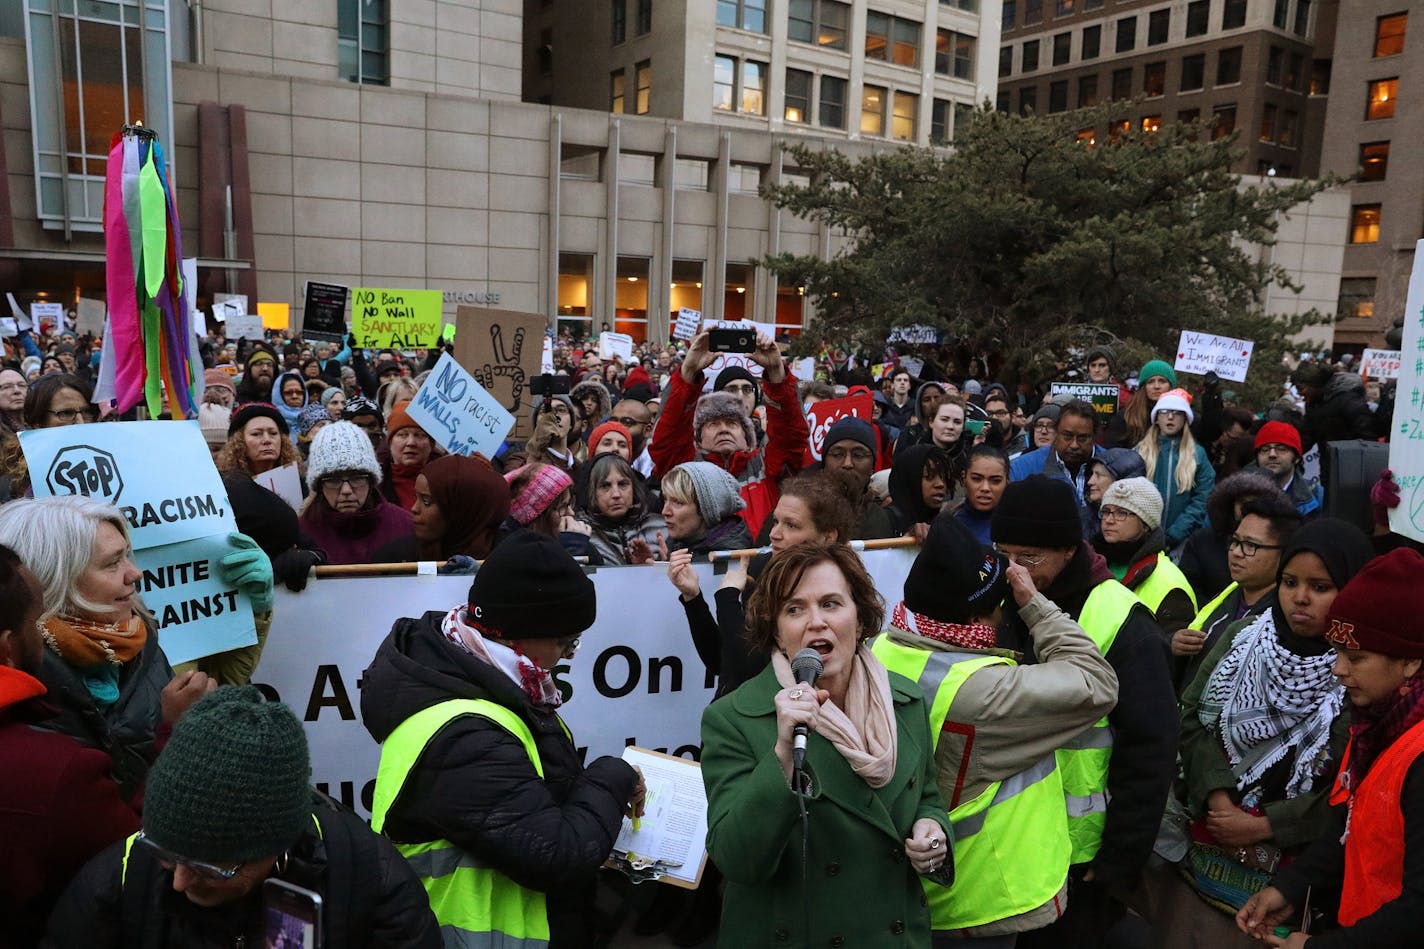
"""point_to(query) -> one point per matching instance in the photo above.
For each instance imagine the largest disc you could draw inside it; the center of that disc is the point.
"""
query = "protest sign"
(1406, 444)
(17, 312)
(176, 522)
(804, 369)
(48, 316)
(1101, 396)
(615, 346)
(228, 305)
(285, 482)
(820, 416)
(89, 316)
(396, 319)
(914, 366)
(502, 350)
(687, 322)
(198, 320)
(1381, 363)
(458, 412)
(915, 334)
(324, 311)
(1201, 353)
(8, 327)
(637, 679)
(275, 316)
(546, 358)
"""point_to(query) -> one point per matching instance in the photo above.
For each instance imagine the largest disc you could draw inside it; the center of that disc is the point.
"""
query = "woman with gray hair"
(103, 667)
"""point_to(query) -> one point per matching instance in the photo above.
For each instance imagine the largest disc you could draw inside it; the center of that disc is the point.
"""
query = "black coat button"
(832, 869)
(781, 935)
(897, 927)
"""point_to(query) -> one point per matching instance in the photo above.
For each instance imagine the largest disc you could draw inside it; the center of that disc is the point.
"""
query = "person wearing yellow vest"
(479, 785)
(1116, 775)
(1131, 539)
(996, 725)
(1372, 850)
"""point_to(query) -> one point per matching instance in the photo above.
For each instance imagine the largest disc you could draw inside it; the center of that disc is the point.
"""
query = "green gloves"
(249, 569)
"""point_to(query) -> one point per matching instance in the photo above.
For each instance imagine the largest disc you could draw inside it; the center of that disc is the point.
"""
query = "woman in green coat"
(839, 863)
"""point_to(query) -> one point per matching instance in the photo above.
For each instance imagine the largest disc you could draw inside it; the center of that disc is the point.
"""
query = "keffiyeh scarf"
(1264, 700)
(536, 682)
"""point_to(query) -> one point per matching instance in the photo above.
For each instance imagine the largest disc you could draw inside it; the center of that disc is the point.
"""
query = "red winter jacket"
(758, 471)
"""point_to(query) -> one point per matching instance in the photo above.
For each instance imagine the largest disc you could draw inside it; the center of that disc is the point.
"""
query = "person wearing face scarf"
(1262, 731)
(1370, 850)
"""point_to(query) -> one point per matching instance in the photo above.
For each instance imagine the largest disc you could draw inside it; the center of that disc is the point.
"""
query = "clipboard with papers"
(669, 842)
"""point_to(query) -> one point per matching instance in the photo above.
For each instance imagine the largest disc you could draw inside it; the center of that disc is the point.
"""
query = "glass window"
(1290, 121)
(1198, 17)
(833, 24)
(1280, 18)
(575, 289)
(754, 88)
(905, 117)
(1058, 96)
(1033, 12)
(1159, 23)
(1233, 14)
(1374, 161)
(1228, 66)
(1087, 137)
(1275, 65)
(877, 36)
(1122, 83)
(1126, 34)
(362, 44)
(1006, 61)
(1193, 72)
(739, 291)
(631, 297)
(1092, 4)
(1010, 12)
(1064, 8)
(582, 162)
(944, 46)
(619, 28)
(1154, 79)
(724, 82)
(1389, 34)
(800, 21)
(686, 287)
(963, 118)
(1092, 41)
(1118, 129)
(743, 178)
(742, 14)
(1087, 91)
(905, 42)
(798, 96)
(1062, 48)
(1151, 123)
(645, 16)
(1002, 101)
(963, 56)
(939, 122)
(726, 12)
(1364, 224)
(954, 55)
(1223, 121)
(618, 83)
(1320, 77)
(1030, 56)
(1268, 123)
(691, 174)
(644, 75)
(1187, 116)
(872, 110)
(1295, 69)
(1302, 18)
(1357, 297)
(832, 103)
(1382, 93)
(1028, 100)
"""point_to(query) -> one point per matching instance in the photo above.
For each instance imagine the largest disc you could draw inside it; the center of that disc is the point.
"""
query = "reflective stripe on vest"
(1011, 840)
(1164, 578)
(477, 906)
(1204, 614)
(1083, 762)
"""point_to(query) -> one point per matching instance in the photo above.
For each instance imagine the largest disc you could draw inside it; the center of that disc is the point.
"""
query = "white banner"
(1201, 353)
(615, 346)
(1381, 363)
(636, 679)
(688, 320)
(1406, 443)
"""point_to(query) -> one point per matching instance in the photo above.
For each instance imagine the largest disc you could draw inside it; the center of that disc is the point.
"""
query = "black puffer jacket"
(476, 787)
(371, 899)
(1341, 414)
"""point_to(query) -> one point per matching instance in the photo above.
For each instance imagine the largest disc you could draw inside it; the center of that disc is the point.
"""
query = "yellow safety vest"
(477, 906)
(1204, 614)
(1011, 841)
(1083, 762)
(1164, 578)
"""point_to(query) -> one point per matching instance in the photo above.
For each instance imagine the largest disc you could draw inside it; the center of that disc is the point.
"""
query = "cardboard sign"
(724, 360)
(246, 326)
(688, 320)
(456, 411)
(804, 369)
(1406, 443)
(913, 365)
(1201, 353)
(502, 349)
(546, 358)
(324, 311)
(285, 482)
(820, 416)
(8, 327)
(615, 346)
(48, 316)
(17, 312)
(89, 316)
(232, 304)
(396, 319)
(1102, 396)
(1381, 363)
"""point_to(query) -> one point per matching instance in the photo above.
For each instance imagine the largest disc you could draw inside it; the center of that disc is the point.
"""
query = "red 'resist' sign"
(822, 415)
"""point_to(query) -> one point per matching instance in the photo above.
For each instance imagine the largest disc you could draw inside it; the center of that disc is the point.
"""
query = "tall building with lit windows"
(1260, 67)
(1372, 133)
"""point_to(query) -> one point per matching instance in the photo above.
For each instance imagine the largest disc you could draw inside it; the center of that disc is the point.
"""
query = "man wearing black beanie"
(480, 785)
(1116, 775)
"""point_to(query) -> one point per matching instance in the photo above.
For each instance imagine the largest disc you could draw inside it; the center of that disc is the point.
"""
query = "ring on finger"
(797, 693)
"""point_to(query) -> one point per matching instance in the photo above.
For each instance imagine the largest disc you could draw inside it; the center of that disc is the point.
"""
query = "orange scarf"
(85, 644)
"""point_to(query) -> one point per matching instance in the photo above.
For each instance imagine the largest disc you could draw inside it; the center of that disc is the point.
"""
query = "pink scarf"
(864, 733)
(536, 682)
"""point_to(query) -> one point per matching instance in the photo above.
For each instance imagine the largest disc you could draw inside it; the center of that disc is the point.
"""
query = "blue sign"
(197, 614)
(458, 412)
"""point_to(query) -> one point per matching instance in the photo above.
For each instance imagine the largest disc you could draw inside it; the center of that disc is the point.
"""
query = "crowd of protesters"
(1135, 686)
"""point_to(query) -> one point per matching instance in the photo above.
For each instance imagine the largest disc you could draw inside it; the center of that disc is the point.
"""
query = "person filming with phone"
(237, 847)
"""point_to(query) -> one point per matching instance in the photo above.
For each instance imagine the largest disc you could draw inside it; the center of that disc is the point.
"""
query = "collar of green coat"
(758, 695)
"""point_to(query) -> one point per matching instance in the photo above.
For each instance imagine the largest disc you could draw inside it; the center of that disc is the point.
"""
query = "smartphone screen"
(293, 916)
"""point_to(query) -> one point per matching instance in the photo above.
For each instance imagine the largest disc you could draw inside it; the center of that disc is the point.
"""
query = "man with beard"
(849, 456)
(636, 417)
(258, 373)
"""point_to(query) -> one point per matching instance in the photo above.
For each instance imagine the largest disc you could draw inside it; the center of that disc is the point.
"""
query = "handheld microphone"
(806, 667)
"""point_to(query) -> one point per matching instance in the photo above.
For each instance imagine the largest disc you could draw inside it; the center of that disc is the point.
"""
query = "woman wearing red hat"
(1379, 791)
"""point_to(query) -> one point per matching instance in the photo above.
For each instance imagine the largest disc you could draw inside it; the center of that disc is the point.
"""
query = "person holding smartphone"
(232, 833)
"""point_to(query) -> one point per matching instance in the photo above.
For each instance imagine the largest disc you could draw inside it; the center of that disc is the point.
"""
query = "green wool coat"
(857, 887)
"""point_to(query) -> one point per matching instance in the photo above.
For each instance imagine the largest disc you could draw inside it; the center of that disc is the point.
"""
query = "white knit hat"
(1179, 400)
(1137, 496)
(341, 446)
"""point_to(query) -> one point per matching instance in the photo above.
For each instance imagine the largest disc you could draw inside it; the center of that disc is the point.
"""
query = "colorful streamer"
(151, 330)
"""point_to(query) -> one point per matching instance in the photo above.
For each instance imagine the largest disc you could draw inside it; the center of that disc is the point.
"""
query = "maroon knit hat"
(1377, 610)
(1280, 433)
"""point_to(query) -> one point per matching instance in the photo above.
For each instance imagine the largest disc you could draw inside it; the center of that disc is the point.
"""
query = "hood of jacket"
(596, 386)
(1342, 383)
(417, 667)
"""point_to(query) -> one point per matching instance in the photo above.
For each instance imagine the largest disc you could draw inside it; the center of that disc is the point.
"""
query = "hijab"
(474, 500)
(1343, 548)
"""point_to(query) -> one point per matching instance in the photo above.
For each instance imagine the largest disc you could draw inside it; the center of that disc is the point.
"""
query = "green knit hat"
(1156, 367)
(234, 781)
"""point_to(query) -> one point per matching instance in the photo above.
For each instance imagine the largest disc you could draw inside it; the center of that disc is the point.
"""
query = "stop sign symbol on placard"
(85, 470)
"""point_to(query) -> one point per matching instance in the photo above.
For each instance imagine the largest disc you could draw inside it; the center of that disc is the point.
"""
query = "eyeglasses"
(1115, 514)
(337, 482)
(1023, 560)
(858, 455)
(1248, 547)
(739, 388)
(567, 647)
(168, 859)
(999, 413)
(1044, 426)
(1272, 449)
(70, 416)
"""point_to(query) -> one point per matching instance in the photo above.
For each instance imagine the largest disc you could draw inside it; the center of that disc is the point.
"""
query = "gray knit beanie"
(538, 401)
(718, 494)
(726, 405)
(1137, 496)
(341, 446)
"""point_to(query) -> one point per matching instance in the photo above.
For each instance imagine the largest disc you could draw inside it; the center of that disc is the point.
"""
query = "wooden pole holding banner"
(880, 543)
(407, 569)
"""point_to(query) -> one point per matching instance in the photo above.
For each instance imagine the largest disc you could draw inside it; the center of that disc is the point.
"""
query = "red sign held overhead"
(822, 415)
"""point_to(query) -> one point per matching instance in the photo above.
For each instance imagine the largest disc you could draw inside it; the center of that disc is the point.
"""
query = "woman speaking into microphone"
(829, 854)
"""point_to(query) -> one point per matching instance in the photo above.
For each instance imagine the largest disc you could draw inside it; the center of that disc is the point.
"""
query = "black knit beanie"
(851, 429)
(955, 578)
(234, 781)
(530, 588)
(1038, 511)
(252, 410)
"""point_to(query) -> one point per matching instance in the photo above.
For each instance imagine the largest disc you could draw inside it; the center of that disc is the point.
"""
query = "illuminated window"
(1382, 93)
(1223, 121)
(872, 110)
(821, 22)
(1087, 137)
(798, 96)
(1389, 34)
(1357, 297)
(754, 88)
(892, 39)
(954, 54)
(1364, 224)
(1151, 123)
(1374, 161)
(1268, 123)
(906, 112)
(619, 92)
(1154, 79)
(724, 82)
(644, 74)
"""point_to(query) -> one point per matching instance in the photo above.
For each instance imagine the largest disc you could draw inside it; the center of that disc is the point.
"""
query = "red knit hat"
(399, 419)
(1280, 433)
(1377, 610)
(604, 429)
